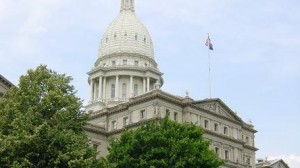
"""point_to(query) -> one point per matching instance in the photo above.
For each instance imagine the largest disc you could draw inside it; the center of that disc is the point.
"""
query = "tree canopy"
(41, 123)
(163, 144)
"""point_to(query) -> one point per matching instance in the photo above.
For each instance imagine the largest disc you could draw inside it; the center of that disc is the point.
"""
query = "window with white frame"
(175, 116)
(113, 91)
(226, 130)
(226, 154)
(113, 63)
(124, 90)
(206, 124)
(216, 127)
(135, 89)
(143, 114)
(114, 125)
(247, 140)
(168, 112)
(217, 151)
(125, 121)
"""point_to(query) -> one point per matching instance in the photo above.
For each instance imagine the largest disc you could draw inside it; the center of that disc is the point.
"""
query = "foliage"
(41, 124)
(163, 144)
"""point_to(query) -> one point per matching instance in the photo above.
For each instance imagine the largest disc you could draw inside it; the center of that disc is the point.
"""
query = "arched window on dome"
(125, 35)
(106, 39)
(145, 40)
(115, 36)
(136, 36)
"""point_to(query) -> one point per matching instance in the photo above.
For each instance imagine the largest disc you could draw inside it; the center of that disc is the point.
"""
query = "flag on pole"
(209, 44)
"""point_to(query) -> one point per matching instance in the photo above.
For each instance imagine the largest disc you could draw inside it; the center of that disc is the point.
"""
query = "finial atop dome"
(127, 5)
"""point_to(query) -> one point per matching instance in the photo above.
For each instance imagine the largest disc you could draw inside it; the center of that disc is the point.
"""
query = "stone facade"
(4, 85)
(125, 92)
(230, 137)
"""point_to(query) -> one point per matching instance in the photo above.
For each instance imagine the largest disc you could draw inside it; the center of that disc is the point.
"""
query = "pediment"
(218, 107)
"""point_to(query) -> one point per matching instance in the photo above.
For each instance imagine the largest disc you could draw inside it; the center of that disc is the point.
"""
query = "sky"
(255, 65)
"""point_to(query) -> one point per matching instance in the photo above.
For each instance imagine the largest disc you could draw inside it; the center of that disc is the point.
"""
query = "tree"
(41, 124)
(163, 144)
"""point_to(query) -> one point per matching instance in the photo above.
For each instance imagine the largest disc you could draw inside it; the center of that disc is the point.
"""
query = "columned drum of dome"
(125, 66)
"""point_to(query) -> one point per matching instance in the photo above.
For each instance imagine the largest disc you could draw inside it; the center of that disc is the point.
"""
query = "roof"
(126, 34)
(270, 163)
(5, 81)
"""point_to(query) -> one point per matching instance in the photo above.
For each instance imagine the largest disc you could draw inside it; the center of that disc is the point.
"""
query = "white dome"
(126, 34)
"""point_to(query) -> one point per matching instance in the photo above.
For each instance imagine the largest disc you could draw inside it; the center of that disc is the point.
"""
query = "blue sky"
(255, 64)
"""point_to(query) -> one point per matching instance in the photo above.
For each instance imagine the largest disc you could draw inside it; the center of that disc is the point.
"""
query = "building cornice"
(6, 82)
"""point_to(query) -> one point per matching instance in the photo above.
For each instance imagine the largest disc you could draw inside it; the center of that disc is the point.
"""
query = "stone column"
(130, 87)
(104, 88)
(92, 90)
(148, 84)
(144, 85)
(100, 89)
(117, 87)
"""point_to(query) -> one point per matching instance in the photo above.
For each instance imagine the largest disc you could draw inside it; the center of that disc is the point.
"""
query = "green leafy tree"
(163, 144)
(41, 124)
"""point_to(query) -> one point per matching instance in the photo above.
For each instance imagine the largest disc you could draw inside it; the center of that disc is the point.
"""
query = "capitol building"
(125, 91)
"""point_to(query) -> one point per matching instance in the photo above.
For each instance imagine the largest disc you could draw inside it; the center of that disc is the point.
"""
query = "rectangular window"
(124, 62)
(206, 124)
(175, 116)
(125, 121)
(95, 146)
(216, 127)
(136, 63)
(113, 63)
(217, 151)
(135, 89)
(113, 91)
(247, 140)
(226, 155)
(225, 131)
(143, 114)
(114, 125)
(167, 112)
(124, 90)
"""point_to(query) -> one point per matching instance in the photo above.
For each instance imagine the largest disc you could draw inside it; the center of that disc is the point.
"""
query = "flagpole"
(209, 68)
(209, 73)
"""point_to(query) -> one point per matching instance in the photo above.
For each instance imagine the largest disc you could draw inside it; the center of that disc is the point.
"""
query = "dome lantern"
(127, 5)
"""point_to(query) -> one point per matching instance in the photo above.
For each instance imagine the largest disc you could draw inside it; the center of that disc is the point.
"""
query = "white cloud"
(292, 160)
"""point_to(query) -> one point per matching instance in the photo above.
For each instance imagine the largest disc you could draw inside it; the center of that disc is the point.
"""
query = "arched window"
(115, 36)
